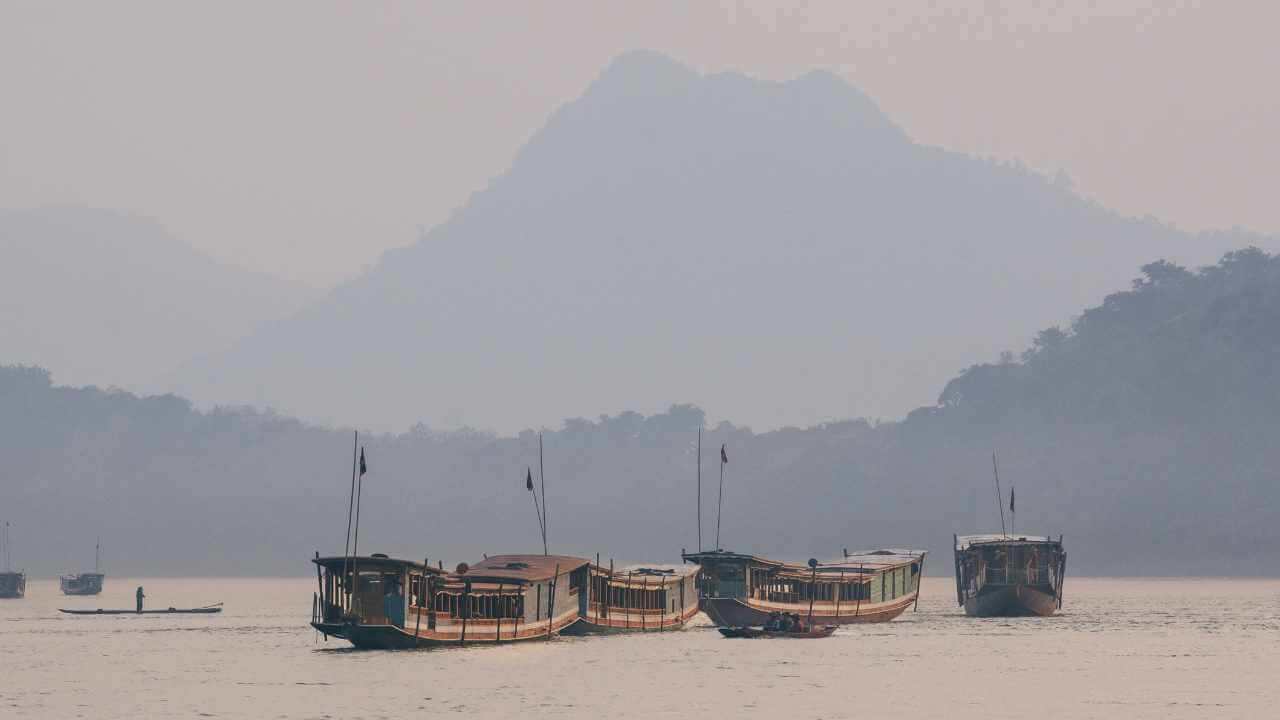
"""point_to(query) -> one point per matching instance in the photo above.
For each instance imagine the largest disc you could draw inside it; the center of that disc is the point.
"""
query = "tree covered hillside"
(1145, 433)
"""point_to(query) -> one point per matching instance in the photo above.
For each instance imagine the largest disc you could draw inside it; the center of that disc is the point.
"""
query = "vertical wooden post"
(813, 587)
(319, 578)
(858, 607)
(919, 581)
(608, 590)
(464, 609)
(839, 592)
(627, 602)
(551, 599)
(502, 608)
(644, 601)
(422, 598)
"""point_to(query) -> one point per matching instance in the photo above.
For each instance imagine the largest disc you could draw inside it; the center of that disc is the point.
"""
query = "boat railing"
(1017, 576)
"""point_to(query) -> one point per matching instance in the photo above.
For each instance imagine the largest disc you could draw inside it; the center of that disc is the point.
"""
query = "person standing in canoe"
(140, 596)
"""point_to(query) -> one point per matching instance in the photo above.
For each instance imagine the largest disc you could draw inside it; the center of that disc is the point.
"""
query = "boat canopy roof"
(372, 562)
(964, 542)
(653, 575)
(521, 568)
(867, 561)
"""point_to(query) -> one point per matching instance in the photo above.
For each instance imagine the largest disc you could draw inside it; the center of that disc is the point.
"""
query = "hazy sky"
(303, 138)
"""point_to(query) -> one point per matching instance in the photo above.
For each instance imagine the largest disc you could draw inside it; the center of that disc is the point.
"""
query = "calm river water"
(1120, 649)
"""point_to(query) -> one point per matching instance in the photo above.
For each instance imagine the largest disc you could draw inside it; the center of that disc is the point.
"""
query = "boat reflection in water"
(743, 590)
(382, 602)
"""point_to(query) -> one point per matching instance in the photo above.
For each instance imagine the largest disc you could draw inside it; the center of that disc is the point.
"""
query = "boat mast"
(346, 547)
(543, 479)
(999, 495)
(724, 460)
(699, 488)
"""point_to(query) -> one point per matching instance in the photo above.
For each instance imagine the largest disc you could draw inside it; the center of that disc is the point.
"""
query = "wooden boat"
(1000, 575)
(504, 598)
(638, 598)
(13, 585)
(206, 610)
(747, 632)
(87, 583)
(742, 590)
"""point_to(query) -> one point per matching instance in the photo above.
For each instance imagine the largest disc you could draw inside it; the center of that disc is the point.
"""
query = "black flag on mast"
(1010, 499)
(724, 458)
(363, 468)
(528, 479)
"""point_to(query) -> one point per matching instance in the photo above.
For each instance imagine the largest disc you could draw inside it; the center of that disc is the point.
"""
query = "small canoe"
(749, 632)
(208, 609)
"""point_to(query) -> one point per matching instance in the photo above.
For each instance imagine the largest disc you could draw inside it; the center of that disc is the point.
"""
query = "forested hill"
(1146, 432)
(1181, 348)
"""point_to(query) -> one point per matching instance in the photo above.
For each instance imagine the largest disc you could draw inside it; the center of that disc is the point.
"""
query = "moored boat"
(1002, 575)
(743, 590)
(639, 598)
(206, 610)
(382, 602)
(13, 585)
(746, 632)
(82, 583)
(85, 583)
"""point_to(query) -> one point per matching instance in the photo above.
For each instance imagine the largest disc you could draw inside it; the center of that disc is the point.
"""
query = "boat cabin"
(640, 598)
(1001, 560)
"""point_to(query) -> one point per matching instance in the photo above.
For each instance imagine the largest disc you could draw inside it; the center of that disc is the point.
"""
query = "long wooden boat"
(1000, 575)
(13, 585)
(639, 598)
(396, 603)
(746, 632)
(743, 590)
(207, 610)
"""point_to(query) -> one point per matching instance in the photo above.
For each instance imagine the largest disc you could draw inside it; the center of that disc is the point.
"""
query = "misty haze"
(722, 289)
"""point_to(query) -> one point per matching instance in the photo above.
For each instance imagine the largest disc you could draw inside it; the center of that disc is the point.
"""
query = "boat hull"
(169, 611)
(820, 632)
(620, 623)
(391, 637)
(1011, 601)
(732, 612)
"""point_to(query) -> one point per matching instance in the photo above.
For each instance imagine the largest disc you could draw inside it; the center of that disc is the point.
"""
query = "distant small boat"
(749, 632)
(82, 583)
(13, 585)
(206, 610)
(87, 583)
